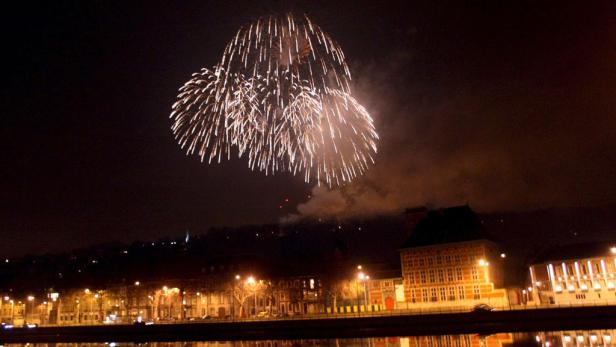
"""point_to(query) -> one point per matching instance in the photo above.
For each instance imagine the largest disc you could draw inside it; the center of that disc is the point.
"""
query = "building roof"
(574, 251)
(447, 225)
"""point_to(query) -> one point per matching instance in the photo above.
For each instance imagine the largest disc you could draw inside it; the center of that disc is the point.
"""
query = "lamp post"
(362, 277)
(29, 299)
(253, 283)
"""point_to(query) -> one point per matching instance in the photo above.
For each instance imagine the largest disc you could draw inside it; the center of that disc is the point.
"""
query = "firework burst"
(280, 96)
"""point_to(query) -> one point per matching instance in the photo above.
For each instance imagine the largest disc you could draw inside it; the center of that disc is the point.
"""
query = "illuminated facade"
(448, 262)
(387, 294)
(576, 274)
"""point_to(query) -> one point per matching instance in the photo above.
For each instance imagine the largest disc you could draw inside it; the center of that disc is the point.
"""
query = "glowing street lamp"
(362, 277)
(613, 250)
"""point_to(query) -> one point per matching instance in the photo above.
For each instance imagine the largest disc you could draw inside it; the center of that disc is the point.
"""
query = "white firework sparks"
(281, 96)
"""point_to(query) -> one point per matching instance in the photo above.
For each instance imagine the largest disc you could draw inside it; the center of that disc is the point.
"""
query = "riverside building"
(448, 262)
(579, 274)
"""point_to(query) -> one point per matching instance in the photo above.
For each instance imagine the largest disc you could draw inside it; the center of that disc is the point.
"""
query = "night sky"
(505, 105)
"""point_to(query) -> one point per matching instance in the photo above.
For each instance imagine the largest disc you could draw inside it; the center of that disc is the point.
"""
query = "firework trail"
(281, 96)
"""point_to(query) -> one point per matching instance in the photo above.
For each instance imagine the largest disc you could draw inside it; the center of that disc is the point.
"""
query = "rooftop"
(575, 251)
(447, 225)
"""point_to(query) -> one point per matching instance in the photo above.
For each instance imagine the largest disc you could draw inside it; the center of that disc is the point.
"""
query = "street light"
(252, 282)
(361, 276)
(613, 250)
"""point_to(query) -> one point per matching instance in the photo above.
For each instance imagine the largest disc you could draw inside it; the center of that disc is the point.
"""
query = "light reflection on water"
(573, 338)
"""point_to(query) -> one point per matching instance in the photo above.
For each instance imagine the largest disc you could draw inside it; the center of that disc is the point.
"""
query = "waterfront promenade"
(570, 318)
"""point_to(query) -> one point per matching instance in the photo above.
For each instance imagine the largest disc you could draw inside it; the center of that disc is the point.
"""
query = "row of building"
(447, 263)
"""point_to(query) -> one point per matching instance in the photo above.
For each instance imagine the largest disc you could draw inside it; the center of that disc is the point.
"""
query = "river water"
(548, 339)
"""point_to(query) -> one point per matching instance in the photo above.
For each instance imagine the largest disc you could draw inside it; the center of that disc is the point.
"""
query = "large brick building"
(449, 261)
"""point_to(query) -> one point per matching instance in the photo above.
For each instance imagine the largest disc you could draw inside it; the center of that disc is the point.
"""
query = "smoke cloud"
(496, 134)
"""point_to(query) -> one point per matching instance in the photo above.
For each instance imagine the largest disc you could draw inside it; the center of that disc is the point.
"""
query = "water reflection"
(594, 338)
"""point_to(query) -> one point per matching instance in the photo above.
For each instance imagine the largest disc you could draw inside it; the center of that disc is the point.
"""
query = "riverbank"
(597, 317)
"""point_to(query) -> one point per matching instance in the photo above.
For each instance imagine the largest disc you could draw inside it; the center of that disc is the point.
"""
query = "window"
(459, 275)
(421, 262)
(441, 275)
(424, 293)
(474, 275)
(439, 260)
(476, 293)
(443, 294)
(452, 294)
(413, 297)
(433, 297)
(461, 295)
(423, 276)
(447, 259)
(432, 276)
(449, 275)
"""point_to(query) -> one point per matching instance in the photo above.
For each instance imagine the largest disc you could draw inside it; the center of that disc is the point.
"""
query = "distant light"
(361, 276)
(593, 338)
(607, 338)
(580, 338)
(30, 298)
(538, 284)
(359, 267)
(537, 338)
(613, 250)
(54, 296)
(237, 277)
(165, 288)
(250, 280)
(87, 291)
(482, 262)
(137, 283)
(6, 260)
(567, 338)
(530, 289)
(6, 298)
(503, 255)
